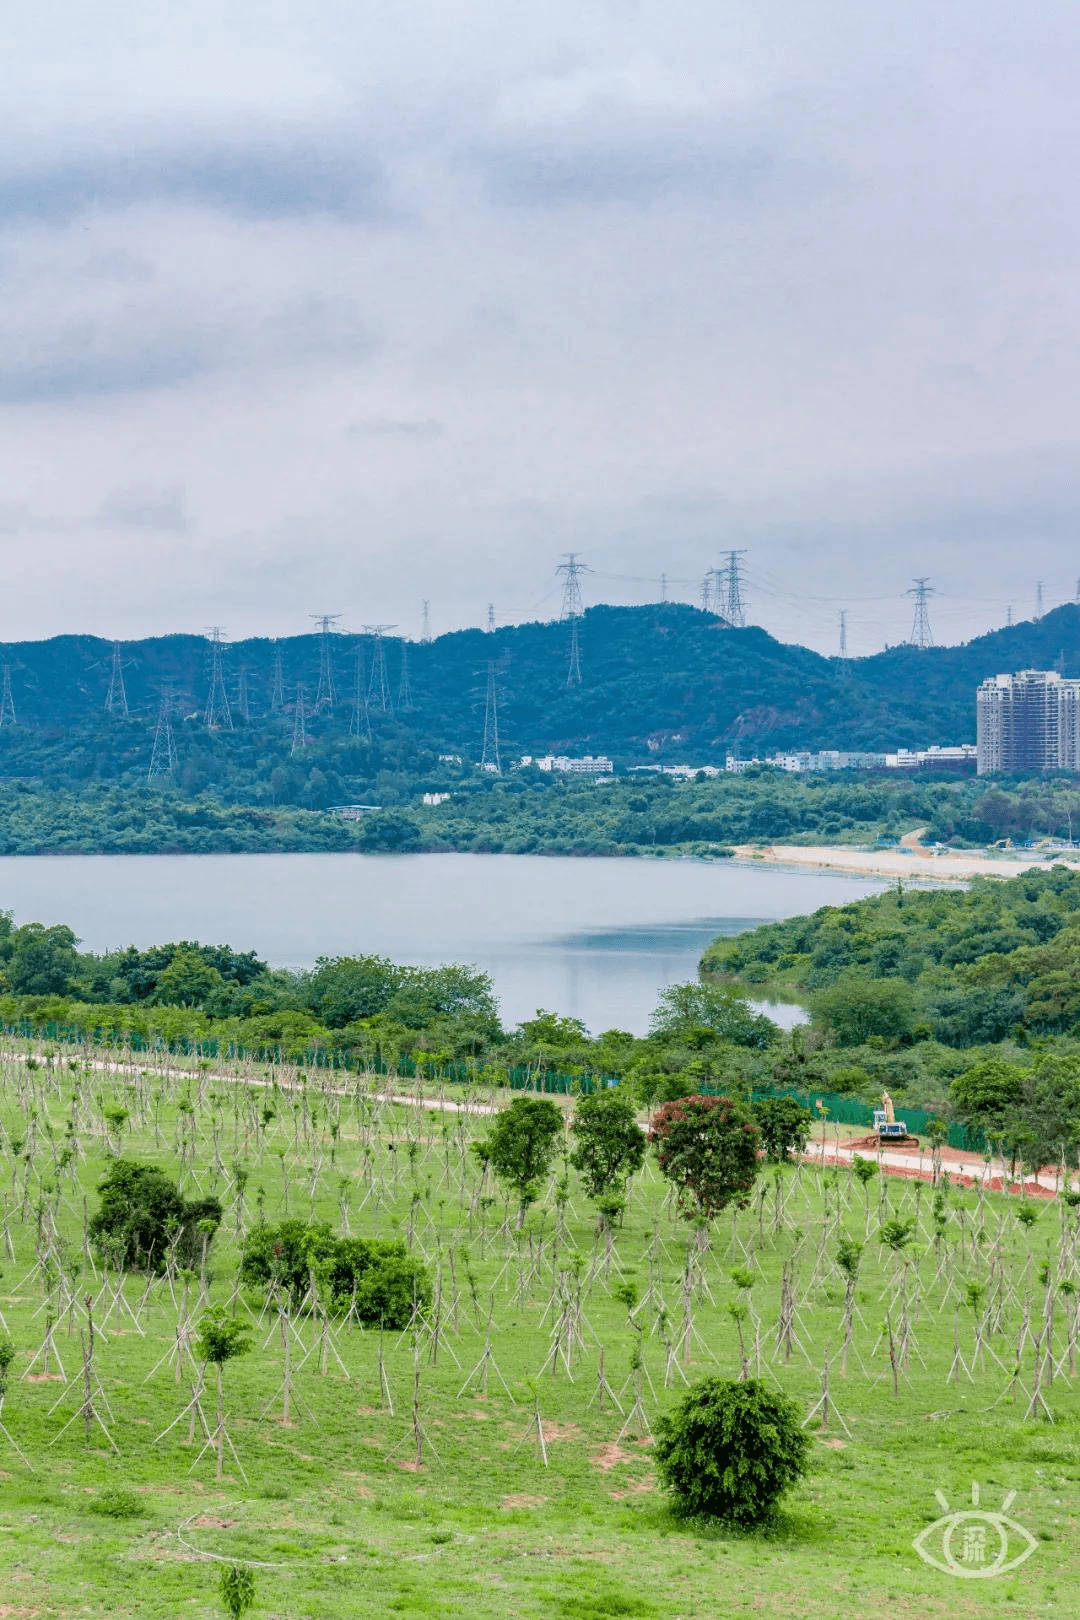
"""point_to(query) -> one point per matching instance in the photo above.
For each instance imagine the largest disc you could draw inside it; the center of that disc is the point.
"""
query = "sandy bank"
(947, 866)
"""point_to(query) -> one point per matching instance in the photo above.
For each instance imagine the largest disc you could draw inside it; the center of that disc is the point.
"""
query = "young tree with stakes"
(707, 1147)
(521, 1145)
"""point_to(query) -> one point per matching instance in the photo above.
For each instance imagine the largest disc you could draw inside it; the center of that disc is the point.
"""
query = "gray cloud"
(145, 506)
(277, 177)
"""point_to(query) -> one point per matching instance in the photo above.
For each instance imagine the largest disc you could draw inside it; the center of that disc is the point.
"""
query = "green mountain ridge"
(659, 683)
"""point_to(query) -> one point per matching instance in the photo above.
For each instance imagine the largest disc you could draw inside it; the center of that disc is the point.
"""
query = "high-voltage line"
(218, 715)
(922, 591)
(299, 724)
(360, 720)
(116, 701)
(379, 686)
(489, 759)
(425, 628)
(163, 753)
(325, 695)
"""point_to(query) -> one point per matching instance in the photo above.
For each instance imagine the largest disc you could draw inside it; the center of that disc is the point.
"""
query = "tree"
(609, 1144)
(989, 1092)
(221, 1338)
(143, 1215)
(718, 1009)
(855, 1008)
(386, 1282)
(708, 1148)
(784, 1126)
(730, 1449)
(522, 1144)
(44, 961)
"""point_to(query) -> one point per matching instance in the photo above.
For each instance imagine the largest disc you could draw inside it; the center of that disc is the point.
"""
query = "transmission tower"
(1008, 615)
(325, 696)
(404, 691)
(277, 683)
(163, 753)
(218, 716)
(572, 571)
(425, 628)
(7, 702)
(489, 759)
(116, 702)
(299, 723)
(922, 591)
(378, 694)
(708, 590)
(663, 587)
(491, 618)
(243, 701)
(360, 723)
(843, 632)
(573, 675)
(1038, 600)
(728, 584)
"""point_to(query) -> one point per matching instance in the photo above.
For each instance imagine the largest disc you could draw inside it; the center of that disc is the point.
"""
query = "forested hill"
(665, 681)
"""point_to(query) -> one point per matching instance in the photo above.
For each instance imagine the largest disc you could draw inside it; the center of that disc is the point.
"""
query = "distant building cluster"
(961, 758)
(1027, 723)
(590, 765)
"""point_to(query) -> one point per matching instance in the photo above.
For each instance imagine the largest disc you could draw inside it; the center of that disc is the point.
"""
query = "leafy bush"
(116, 1503)
(387, 1279)
(143, 1214)
(237, 1589)
(730, 1449)
(784, 1125)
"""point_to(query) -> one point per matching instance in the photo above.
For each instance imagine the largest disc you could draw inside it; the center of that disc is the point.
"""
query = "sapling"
(221, 1339)
(237, 1590)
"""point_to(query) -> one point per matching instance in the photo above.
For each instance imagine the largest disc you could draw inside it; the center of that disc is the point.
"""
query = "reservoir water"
(594, 939)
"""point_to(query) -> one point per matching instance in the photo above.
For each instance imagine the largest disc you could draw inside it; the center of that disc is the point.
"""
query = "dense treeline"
(530, 812)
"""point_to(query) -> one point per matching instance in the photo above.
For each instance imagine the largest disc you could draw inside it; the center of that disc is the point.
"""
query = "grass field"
(334, 1512)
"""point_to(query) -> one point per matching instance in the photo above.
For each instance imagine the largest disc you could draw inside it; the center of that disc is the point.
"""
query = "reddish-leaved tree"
(707, 1147)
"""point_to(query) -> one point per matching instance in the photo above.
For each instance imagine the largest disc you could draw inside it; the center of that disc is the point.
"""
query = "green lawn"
(334, 1511)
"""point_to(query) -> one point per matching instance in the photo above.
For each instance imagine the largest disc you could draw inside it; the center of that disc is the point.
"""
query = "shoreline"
(948, 866)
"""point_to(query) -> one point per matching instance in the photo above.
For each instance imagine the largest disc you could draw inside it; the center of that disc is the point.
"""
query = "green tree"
(221, 1338)
(989, 1092)
(730, 1449)
(784, 1125)
(609, 1144)
(143, 1215)
(855, 1008)
(43, 961)
(521, 1145)
(707, 1147)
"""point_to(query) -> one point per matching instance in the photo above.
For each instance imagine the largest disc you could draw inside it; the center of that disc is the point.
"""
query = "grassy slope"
(487, 1530)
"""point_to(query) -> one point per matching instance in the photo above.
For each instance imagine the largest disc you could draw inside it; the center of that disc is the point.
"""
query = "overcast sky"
(331, 306)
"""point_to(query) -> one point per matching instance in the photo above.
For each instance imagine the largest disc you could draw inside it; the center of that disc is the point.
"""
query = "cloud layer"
(319, 306)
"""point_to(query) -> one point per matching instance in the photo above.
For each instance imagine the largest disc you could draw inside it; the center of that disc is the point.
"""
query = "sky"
(333, 306)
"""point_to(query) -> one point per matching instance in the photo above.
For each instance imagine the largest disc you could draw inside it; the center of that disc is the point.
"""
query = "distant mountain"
(661, 682)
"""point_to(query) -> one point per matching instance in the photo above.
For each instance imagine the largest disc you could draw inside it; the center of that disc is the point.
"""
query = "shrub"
(237, 1589)
(116, 1503)
(784, 1125)
(143, 1214)
(730, 1449)
(387, 1279)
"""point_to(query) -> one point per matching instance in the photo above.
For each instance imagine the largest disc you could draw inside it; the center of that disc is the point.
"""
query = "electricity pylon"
(360, 723)
(379, 686)
(425, 628)
(572, 609)
(922, 591)
(326, 695)
(404, 693)
(163, 753)
(7, 702)
(218, 715)
(116, 701)
(489, 759)
(277, 683)
(299, 725)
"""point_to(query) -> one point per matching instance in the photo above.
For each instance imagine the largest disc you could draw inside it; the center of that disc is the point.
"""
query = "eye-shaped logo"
(972, 1543)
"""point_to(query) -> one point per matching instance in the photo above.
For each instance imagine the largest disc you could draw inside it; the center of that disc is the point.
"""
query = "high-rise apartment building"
(1028, 723)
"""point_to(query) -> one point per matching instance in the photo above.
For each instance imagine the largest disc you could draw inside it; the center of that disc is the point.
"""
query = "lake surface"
(594, 939)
